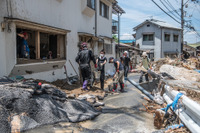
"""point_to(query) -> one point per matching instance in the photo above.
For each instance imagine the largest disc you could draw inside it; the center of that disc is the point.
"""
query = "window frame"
(148, 37)
(174, 37)
(104, 10)
(108, 48)
(37, 45)
(165, 37)
(91, 5)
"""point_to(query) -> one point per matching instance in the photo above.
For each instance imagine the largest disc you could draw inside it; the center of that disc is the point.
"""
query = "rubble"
(22, 109)
(180, 73)
(190, 64)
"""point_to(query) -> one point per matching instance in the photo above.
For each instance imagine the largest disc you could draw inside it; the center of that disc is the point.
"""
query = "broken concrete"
(180, 73)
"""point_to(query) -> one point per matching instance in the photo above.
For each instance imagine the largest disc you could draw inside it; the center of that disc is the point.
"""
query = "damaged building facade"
(55, 29)
(159, 38)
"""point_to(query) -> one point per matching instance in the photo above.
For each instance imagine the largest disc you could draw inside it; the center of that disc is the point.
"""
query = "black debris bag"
(35, 109)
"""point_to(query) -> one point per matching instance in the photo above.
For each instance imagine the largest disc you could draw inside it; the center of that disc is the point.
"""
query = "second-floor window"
(104, 10)
(167, 37)
(91, 4)
(148, 37)
(175, 38)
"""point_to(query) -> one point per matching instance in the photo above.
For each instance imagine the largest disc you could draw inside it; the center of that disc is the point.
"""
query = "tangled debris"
(190, 64)
(163, 121)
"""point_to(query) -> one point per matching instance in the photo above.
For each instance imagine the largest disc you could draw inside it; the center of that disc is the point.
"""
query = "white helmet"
(125, 52)
(144, 54)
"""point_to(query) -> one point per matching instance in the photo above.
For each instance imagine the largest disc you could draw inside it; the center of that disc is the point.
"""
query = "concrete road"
(120, 115)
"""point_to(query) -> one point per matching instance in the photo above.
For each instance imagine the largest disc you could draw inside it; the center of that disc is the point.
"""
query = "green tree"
(115, 38)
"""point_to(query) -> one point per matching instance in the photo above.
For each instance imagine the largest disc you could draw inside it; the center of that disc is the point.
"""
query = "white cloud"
(126, 36)
(138, 11)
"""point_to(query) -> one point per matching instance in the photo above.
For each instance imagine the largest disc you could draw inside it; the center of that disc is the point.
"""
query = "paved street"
(121, 114)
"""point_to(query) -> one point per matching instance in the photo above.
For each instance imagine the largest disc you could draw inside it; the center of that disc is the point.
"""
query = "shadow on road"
(133, 111)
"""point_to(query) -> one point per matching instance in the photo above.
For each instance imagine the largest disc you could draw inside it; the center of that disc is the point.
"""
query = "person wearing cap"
(25, 51)
(83, 58)
(119, 74)
(126, 62)
(145, 64)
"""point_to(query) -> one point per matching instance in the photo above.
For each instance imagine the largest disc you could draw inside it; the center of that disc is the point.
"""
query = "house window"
(104, 10)
(175, 38)
(148, 37)
(91, 4)
(167, 37)
(108, 48)
(42, 46)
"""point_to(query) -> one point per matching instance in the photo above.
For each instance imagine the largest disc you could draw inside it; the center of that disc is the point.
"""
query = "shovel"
(69, 83)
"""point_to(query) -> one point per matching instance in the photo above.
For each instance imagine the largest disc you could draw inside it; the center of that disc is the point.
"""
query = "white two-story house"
(53, 26)
(159, 38)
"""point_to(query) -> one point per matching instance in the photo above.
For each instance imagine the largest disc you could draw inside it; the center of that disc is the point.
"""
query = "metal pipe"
(185, 118)
(141, 89)
(95, 18)
(191, 107)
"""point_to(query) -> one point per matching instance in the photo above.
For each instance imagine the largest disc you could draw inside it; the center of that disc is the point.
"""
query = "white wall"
(104, 26)
(171, 45)
(2, 40)
(65, 14)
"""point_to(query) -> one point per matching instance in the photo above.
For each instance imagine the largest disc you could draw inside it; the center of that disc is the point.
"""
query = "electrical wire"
(169, 10)
(165, 12)
(171, 6)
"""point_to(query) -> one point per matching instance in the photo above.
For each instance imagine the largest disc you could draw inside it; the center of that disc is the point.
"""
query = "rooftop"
(158, 23)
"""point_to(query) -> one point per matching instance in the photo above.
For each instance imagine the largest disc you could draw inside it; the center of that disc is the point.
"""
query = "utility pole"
(182, 24)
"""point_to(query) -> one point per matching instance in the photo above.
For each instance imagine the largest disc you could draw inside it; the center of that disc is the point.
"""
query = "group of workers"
(122, 67)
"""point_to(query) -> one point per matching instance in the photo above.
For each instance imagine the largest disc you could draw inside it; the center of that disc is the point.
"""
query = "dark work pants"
(86, 73)
(102, 77)
(126, 69)
(141, 77)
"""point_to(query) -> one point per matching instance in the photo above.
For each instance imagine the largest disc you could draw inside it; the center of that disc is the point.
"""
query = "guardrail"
(189, 113)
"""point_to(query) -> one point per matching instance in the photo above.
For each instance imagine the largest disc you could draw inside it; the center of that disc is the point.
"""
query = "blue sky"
(138, 11)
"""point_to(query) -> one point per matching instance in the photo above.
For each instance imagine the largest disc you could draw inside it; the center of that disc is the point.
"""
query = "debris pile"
(180, 73)
(26, 105)
(190, 64)
(165, 122)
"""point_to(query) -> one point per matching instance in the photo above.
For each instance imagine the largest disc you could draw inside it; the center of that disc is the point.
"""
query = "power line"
(165, 12)
(172, 7)
(169, 9)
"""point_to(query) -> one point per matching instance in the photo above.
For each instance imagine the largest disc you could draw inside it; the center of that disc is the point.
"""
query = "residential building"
(159, 38)
(55, 27)
(191, 50)
(129, 42)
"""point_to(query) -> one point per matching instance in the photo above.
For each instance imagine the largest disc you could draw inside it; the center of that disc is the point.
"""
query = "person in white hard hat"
(126, 62)
(145, 64)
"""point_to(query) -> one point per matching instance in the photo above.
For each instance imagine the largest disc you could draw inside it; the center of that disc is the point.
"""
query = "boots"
(114, 87)
(85, 85)
(122, 88)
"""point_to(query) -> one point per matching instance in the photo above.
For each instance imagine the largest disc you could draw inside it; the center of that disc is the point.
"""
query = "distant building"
(191, 50)
(159, 38)
(130, 42)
